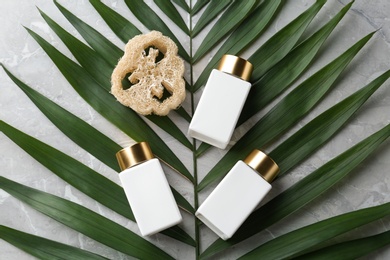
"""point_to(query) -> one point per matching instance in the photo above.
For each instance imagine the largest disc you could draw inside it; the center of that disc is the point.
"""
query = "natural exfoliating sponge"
(150, 77)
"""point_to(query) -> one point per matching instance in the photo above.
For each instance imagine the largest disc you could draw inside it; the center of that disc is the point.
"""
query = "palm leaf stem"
(194, 157)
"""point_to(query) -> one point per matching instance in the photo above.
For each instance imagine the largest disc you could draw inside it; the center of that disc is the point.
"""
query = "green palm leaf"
(83, 134)
(350, 249)
(288, 111)
(230, 19)
(84, 221)
(104, 103)
(291, 244)
(245, 33)
(44, 248)
(278, 63)
(303, 192)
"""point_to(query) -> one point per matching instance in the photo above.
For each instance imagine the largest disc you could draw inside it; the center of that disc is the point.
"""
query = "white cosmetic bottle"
(147, 189)
(238, 194)
(221, 102)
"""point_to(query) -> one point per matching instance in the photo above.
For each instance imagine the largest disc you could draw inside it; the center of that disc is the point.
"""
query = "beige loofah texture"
(148, 77)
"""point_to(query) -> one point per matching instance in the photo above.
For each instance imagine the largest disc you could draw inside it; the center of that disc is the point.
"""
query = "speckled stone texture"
(367, 186)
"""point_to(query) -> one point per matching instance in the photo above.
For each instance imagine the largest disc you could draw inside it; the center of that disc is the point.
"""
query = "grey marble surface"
(367, 186)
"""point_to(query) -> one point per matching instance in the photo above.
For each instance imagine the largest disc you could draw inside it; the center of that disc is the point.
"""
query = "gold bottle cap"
(263, 164)
(133, 155)
(236, 66)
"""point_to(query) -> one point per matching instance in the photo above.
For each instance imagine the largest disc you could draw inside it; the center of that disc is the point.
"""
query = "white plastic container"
(220, 105)
(147, 189)
(238, 194)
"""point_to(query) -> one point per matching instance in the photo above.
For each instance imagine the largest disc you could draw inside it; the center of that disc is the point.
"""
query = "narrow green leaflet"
(245, 34)
(280, 44)
(213, 10)
(291, 244)
(124, 29)
(230, 19)
(280, 76)
(199, 5)
(304, 142)
(104, 103)
(152, 21)
(351, 249)
(287, 112)
(170, 10)
(102, 46)
(83, 134)
(84, 221)
(43, 248)
(303, 192)
(101, 71)
(183, 4)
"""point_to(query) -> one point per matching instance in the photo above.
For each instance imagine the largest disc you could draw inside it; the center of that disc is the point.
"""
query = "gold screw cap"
(236, 66)
(134, 155)
(263, 164)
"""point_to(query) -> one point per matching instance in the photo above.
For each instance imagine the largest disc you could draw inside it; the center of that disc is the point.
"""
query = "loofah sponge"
(150, 78)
